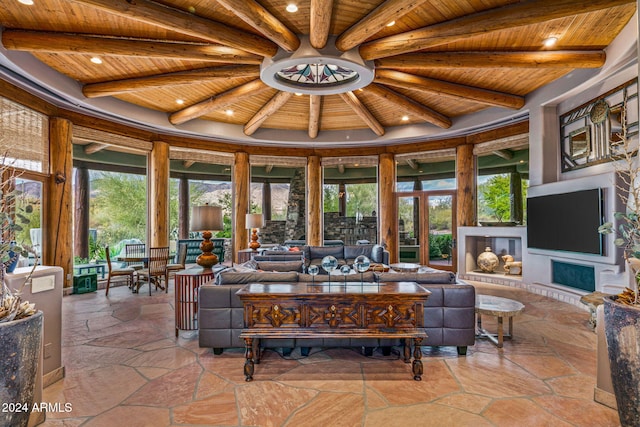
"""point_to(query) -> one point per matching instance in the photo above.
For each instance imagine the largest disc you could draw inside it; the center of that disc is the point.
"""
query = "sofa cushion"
(319, 252)
(351, 252)
(226, 278)
(280, 266)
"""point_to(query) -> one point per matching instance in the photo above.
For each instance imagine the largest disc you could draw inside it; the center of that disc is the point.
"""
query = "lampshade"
(255, 220)
(206, 218)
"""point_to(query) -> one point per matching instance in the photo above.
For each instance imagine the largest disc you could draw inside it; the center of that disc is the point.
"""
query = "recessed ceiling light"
(298, 94)
(356, 164)
(391, 24)
(292, 8)
(405, 118)
(96, 60)
(27, 2)
(180, 101)
(229, 112)
(551, 41)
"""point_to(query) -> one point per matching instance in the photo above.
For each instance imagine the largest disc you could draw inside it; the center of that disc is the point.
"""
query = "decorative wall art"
(591, 133)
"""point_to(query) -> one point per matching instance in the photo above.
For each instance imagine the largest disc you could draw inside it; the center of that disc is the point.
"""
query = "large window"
(278, 191)
(350, 199)
(503, 179)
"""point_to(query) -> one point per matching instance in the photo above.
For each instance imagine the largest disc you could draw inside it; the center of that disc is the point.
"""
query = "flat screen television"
(566, 221)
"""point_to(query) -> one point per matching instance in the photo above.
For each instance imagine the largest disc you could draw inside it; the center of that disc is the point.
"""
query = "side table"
(187, 283)
(500, 308)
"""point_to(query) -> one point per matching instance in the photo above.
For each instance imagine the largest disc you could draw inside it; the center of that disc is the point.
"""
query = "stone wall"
(347, 229)
(295, 225)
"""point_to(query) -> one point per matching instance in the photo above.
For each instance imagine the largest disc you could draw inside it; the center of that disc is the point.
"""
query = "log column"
(314, 201)
(342, 199)
(240, 202)
(388, 232)
(466, 171)
(57, 227)
(81, 217)
(158, 200)
(515, 188)
(183, 208)
(266, 201)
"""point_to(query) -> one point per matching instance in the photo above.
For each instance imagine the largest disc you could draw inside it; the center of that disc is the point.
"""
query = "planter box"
(85, 283)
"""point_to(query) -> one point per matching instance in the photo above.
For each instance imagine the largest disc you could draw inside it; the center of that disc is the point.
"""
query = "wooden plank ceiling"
(441, 59)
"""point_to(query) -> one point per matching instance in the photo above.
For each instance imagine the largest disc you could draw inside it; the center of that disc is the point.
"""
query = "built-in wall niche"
(593, 132)
(502, 240)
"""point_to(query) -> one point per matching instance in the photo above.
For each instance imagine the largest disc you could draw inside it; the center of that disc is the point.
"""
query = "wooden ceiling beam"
(188, 163)
(375, 21)
(408, 105)
(319, 22)
(341, 168)
(363, 112)
(264, 22)
(185, 23)
(268, 168)
(43, 41)
(510, 16)
(546, 59)
(222, 100)
(267, 110)
(425, 84)
(94, 147)
(412, 164)
(505, 154)
(315, 105)
(116, 87)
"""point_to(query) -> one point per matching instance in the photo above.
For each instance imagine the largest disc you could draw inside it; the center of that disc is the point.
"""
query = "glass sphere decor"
(345, 269)
(313, 271)
(329, 264)
(361, 263)
(488, 261)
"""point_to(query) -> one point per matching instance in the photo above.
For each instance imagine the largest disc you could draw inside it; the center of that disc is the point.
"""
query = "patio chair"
(135, 249)
(156, 270)
(117, 272)
(179, 265)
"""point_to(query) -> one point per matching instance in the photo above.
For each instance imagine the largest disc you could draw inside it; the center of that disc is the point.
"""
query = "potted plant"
(622, 312)
(20, 323)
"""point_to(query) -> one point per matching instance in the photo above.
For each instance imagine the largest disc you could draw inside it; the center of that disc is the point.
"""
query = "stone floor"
(124, 367)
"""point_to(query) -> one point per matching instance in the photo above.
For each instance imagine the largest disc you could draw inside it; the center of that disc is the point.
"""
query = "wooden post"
(314, 201)
(466, 171)
(81, 217)
(515, 189)
(388, 232)
(266, 200)
(57, 233)
(240, 202)
(184, 205)
(342, 199)
(158, 200)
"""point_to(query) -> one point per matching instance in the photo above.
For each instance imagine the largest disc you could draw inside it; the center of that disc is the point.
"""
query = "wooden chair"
(180, 265)
(135, 249)
(117, 272)
(156, 270)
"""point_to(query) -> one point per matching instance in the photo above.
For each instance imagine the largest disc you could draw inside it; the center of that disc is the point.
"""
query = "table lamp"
(206, 219)
(254, 221)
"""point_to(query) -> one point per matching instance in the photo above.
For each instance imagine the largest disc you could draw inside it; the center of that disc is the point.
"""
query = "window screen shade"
(26, 134)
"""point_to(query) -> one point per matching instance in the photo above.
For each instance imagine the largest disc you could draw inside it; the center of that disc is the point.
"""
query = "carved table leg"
(248, 364)
(417, 359)
(407, 350)
(257, 351)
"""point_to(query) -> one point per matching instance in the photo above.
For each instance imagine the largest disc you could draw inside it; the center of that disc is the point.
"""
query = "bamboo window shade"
(26, 132)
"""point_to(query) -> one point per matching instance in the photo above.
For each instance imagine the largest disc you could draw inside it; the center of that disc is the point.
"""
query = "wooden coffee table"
(336, 310)
(501, 308)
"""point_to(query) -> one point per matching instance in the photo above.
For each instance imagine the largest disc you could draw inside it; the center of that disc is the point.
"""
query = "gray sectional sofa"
(345, 254)
(449, 315)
